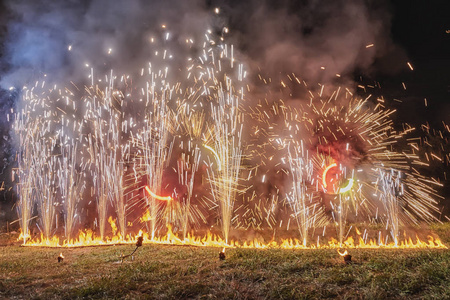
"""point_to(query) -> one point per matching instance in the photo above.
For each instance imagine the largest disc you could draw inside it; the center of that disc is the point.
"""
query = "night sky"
(419, 32)
(422, 29)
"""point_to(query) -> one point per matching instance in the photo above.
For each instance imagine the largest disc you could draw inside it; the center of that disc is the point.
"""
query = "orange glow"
(167, 198)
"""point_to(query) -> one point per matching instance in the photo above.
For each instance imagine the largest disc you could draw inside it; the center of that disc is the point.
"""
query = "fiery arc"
(324, 175)
(347, 187)
(215, 154)
(166, 198)
(324, 180)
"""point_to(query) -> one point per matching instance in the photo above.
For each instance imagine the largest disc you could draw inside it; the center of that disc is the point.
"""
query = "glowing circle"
(345, 189)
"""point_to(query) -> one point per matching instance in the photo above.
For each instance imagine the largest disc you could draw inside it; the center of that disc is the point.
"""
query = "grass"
(180, 272)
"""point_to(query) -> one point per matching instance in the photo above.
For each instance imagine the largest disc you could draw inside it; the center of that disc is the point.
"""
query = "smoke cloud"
(313, 39)
(58, 39)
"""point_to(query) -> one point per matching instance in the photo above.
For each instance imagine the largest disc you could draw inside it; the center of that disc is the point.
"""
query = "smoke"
(313, 39)
(58, 39)
(318, 41)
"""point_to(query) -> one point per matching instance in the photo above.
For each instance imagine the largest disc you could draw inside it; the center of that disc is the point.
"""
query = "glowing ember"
(222, 254)
(347, 257)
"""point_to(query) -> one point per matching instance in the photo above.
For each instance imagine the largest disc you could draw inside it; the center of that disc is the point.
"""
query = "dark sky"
(419, 27)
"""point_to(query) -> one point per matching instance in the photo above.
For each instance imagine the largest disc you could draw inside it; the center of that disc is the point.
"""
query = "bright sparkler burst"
(352, 144)
(333, 161)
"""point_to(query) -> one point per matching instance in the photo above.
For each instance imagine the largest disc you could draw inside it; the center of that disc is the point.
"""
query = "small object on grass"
(60, 257)
(139, 241)
(347, 259)
(222, 254)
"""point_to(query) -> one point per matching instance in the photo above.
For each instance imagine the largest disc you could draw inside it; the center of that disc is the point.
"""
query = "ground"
(174, 272)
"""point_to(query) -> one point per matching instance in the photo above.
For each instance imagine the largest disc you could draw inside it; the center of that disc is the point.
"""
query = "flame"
(113, 225)
(167, 198)
(146, 217)
(24, 236)
(61, 255)
(88, 238)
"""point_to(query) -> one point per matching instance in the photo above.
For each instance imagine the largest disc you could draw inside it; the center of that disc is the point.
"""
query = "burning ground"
(167, 272)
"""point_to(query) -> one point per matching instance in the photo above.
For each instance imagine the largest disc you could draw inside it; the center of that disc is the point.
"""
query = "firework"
(307, 211)
(226, 137)
(71, 184)
(187, 168)
(25, 168)
(353, 145)
(327, 161)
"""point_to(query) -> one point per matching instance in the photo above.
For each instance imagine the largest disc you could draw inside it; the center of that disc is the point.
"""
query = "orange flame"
(88, 238)
(113, 225)
(146, 217)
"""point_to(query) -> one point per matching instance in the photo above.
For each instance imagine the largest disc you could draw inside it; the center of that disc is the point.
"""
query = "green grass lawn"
(168, 272)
